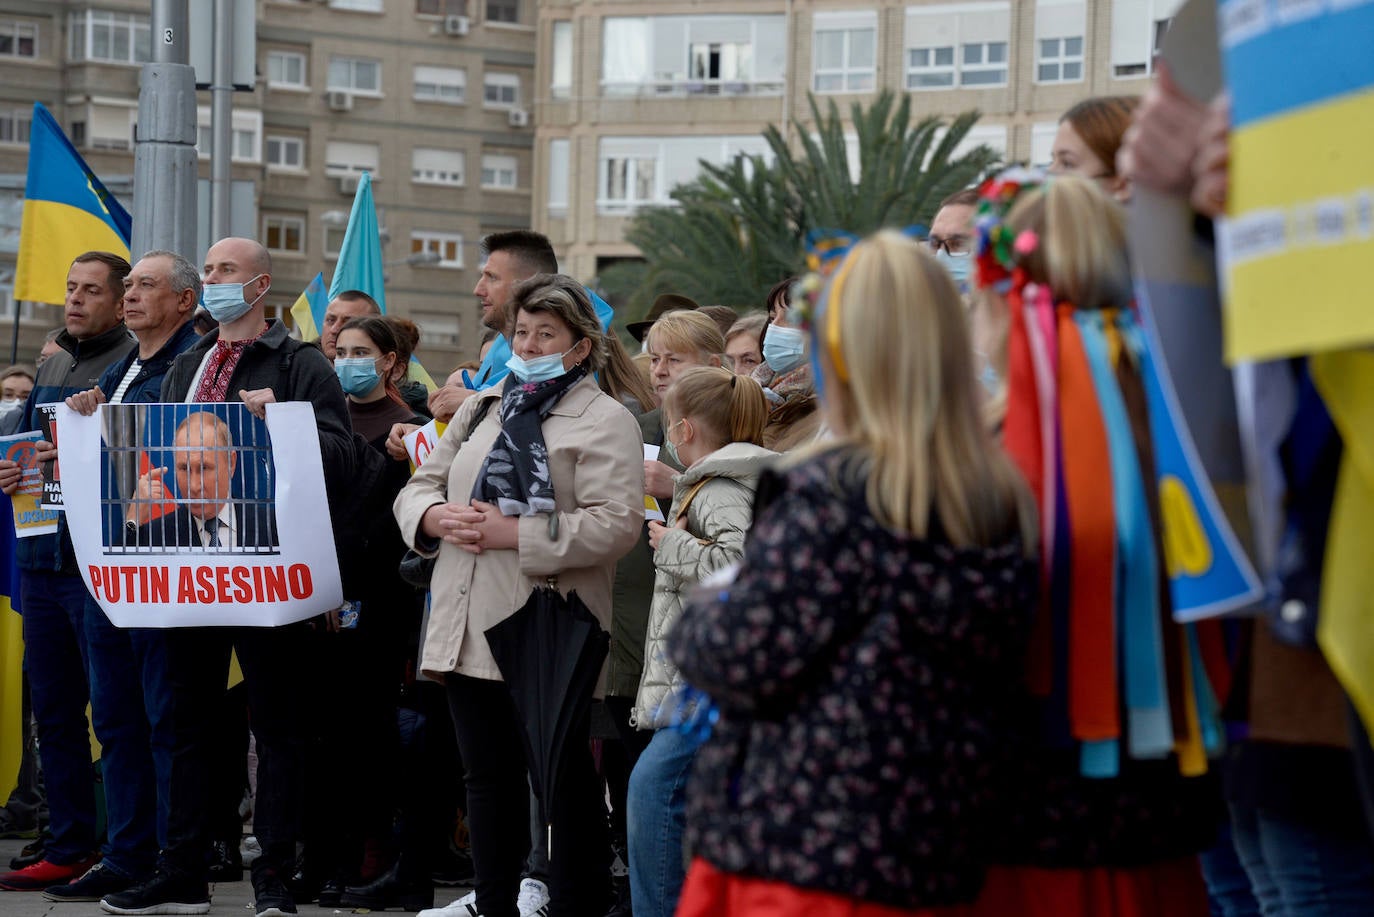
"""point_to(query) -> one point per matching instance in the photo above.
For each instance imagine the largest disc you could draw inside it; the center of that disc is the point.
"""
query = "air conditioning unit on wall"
(339, 101)
(348, 184)
(518, 117)
(456, 26)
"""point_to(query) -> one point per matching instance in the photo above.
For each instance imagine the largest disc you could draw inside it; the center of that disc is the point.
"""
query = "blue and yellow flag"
(67, 211)
(12, 724)
(360, 256)
(308, 311)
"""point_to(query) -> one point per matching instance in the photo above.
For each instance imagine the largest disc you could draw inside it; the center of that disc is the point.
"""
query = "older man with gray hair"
(127, 667)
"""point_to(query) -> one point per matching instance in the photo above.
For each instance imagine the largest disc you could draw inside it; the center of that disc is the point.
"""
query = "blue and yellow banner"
(67, 211)
(1300, 227)
(308, 310)
(360, 257)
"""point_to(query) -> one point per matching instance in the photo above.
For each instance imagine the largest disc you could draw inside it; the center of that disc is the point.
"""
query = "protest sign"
(1300, 227)
(420, 443)
(29, 517)
(52, 473)
(200, 514)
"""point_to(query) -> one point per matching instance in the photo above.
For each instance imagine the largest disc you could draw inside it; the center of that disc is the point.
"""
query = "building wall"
(301, 205)
(1019, 113)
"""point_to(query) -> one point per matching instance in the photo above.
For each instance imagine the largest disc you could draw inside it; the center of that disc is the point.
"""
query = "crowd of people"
(876, 654)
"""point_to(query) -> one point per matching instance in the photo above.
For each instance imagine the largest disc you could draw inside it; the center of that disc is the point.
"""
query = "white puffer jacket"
(718, 519)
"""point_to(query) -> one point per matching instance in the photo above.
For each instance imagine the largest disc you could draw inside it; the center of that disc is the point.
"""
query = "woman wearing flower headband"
(1111, 805)
(866, 656)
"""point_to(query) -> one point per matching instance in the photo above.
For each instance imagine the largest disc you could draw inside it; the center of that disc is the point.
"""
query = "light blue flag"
(360, 257)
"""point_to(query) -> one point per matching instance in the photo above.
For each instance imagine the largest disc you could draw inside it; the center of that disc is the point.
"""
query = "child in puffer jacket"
(713, 421)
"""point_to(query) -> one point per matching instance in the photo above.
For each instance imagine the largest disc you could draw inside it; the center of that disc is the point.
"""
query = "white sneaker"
(533, 900)
(465, 906)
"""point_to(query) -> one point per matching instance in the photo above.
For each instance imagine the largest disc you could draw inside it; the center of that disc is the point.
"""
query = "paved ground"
(234, 899)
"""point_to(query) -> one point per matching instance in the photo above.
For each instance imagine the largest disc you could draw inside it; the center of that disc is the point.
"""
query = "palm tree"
(738, 228)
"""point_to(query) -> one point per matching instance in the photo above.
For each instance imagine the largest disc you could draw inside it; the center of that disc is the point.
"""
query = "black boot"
(392, 889)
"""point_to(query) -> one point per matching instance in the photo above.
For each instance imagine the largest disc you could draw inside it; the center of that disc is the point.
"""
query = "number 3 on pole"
(1187, 552)
(168, 36)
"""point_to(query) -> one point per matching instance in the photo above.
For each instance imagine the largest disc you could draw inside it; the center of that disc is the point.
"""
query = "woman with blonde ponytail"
(865, 658)
(714, 421)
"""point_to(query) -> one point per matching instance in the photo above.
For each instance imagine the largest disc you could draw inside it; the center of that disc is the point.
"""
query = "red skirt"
(709, 892)
(1173, 888)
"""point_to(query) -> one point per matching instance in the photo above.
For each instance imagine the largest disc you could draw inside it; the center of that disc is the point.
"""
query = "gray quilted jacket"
(718, 519)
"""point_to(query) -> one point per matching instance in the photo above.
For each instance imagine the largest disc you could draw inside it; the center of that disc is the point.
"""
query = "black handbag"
(415, 568)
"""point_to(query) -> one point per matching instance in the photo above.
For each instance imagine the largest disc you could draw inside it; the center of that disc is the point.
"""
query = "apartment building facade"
(429, 96)
(631, 94)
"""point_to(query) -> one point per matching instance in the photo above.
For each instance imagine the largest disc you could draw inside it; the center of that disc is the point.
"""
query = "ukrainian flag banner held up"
(67, 211)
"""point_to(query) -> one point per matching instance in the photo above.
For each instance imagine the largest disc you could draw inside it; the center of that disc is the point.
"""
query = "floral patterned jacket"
(865, 679)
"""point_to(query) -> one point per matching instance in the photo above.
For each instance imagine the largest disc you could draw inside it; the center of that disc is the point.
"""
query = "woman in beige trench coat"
(548, 484)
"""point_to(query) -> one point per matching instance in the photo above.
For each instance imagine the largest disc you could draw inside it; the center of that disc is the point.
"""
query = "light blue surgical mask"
(670, 447)
(957, 265)
(540, 369)
(225, 301)
(357, 375)
(783, 348)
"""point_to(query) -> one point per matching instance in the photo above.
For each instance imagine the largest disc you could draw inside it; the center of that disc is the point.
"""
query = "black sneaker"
(99, 881)
(269, 893)
(167, 892)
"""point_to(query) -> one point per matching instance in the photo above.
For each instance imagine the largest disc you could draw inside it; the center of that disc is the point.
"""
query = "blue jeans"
(55, 649)
(655, 816)
(1228, 884)
(129, 713)
(1297, 870)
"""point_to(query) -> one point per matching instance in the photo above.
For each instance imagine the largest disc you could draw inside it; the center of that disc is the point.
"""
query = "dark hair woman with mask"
(546, 488)
(785, 375)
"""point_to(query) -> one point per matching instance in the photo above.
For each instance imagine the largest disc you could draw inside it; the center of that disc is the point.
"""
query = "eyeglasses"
(953, 245)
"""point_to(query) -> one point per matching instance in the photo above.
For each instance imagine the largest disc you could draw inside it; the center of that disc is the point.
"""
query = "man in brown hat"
(666, 302)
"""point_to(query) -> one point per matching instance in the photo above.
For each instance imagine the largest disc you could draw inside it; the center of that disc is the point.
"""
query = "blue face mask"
(357, 375)
(225, 301)
(540, 369)
(783, 348)
(670, 447)
(957, 265)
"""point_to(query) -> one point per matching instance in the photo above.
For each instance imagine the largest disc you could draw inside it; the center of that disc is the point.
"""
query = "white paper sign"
(652, 511)
(200, 514)
(420, 443)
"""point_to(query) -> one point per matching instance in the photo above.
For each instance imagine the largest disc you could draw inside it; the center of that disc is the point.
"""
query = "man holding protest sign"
(127, 667)
(53, 594)
(253, 361)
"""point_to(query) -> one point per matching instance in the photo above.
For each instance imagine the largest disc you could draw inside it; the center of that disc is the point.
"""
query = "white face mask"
(538, 369)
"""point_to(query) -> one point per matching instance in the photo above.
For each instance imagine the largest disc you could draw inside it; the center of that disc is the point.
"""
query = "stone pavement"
(234, 899)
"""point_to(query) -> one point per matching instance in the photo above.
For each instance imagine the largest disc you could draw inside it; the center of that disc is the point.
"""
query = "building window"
(635, 171)
(333, 239)
(283, 234)
(1061, 60)
(14, 127)
(448, 246)
(440, 84)
(1059, 29)
(245, 137)
(963, 44)
(358, 75)
(357, 6)
(438, 330)
(286, 70)
(844, 52)
(18, 39)
(116, 38)
(343, 157)
(437, 167)
(559, 162)
(285, 153)
(498, 171)
(692, 55)
(78, 133)
(500, 90)
(1042, 142)
(441, 7)
(930, 68)
(503, 10)
(560, 82)
(1137, 27)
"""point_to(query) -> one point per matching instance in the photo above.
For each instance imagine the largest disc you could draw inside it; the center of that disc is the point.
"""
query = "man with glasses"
(952, 235)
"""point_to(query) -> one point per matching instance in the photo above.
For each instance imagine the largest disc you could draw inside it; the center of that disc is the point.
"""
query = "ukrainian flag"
(12, 725)
(67, 211)
(308, 310)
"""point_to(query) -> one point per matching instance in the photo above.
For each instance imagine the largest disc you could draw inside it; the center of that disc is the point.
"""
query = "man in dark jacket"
(51, 590)
(127, 666)
(251, 360)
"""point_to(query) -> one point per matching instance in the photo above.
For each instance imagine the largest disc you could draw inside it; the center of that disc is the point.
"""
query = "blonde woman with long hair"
(865, 657)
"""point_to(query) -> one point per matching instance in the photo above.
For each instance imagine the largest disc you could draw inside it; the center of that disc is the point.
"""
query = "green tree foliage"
(740, 227)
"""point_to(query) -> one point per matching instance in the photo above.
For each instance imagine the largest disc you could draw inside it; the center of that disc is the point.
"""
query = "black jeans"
(272, 659)
(488, 729)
